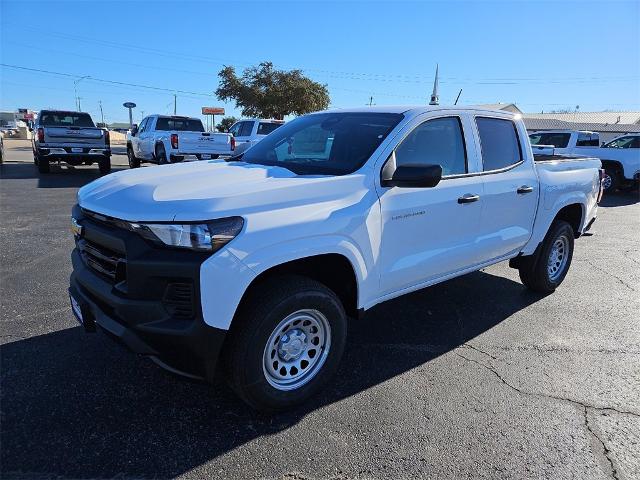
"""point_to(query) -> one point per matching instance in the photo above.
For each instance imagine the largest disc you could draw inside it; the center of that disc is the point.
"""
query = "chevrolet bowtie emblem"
(76, 228)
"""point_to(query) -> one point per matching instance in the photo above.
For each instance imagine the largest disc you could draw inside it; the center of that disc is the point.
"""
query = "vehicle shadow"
(620, 199)
(76, 405)
(65, 176)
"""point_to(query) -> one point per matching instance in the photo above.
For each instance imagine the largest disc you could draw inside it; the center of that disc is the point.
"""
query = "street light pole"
(75, 89)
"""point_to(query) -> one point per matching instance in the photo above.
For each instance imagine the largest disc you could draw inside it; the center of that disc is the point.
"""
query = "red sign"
(212, 111)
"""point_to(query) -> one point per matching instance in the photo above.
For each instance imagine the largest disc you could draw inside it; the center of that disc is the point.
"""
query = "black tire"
(104, 165)
(611, 180)
(161, 155)
(245, 351)
(134, 162)
(35, 158)
(43, 164)
(537, 272)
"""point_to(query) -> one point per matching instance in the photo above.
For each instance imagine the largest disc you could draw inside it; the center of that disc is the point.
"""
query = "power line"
(113, 82)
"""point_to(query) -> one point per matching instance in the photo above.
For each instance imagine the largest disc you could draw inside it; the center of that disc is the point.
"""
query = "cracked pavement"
(473, 378)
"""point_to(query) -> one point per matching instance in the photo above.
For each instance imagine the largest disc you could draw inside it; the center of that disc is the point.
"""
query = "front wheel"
(547, 272)
(287, 343)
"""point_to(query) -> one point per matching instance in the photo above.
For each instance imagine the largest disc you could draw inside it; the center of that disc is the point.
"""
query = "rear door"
(242, 131)
(146, 138)
(429, 233)
(510, 186)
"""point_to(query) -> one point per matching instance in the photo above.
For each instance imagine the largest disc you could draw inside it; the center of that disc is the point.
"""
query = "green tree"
(265, 92)
(225, 123)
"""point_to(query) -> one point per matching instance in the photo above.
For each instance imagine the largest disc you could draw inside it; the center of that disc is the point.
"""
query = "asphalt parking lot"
(473, 378)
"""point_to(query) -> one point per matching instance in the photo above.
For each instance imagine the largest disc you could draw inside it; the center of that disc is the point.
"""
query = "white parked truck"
(260, 261)
(165, 139)
(250, 131)
(620, 157)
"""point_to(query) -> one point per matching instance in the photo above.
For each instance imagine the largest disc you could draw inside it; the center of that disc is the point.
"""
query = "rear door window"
(245, 129)
(265, 128)
(499, 143)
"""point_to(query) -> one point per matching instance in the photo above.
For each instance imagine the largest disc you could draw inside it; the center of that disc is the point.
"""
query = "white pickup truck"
(250, 131)
(620, 157)
(260, 261)
(165, 139)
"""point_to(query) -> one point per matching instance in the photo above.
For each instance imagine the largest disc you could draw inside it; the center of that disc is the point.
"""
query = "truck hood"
(197, 191)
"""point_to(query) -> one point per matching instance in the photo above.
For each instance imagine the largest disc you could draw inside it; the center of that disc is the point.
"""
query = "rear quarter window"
(499, 143)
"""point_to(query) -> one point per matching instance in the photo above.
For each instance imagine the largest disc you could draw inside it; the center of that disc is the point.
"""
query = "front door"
(428, 233)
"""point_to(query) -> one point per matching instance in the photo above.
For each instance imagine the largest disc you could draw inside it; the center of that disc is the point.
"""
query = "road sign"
(212, 111)
(129, 105)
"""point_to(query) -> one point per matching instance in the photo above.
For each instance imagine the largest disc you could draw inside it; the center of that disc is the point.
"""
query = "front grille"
(178, 297)
(106, 262)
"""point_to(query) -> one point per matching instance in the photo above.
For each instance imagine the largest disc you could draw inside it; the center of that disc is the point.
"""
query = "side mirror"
(414, 176)
(134, 129)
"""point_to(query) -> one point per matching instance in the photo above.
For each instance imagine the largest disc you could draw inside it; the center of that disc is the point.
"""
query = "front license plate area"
(205, 156)
(76, 150)
(82, 314)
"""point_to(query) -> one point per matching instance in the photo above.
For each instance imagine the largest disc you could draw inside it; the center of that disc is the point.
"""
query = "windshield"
(179, 124)
(324, 143)
(66, 119)
(558, 140)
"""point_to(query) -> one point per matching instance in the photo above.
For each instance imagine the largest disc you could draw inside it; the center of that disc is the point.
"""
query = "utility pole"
(101, 112)
(371, 101)
(175, 102)
(79, 107)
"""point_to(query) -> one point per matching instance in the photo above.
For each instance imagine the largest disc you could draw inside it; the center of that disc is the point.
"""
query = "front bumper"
(151, 304)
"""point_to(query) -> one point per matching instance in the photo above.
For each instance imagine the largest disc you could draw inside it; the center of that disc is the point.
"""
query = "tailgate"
(205, 142)
(93, 136)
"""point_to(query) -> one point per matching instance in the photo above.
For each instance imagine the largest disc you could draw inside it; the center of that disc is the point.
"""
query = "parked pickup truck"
(165, 139)
(69, 137)
(250, 131)
(259, 261)
(620, 157)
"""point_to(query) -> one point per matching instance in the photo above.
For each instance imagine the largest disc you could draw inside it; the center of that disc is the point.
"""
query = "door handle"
(524, 189)
(468, 198)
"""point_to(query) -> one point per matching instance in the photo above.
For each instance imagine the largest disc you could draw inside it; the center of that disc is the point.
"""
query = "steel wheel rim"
(297, 349)
(558, 257)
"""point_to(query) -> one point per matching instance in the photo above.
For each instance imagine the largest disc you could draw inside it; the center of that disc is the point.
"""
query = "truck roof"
(416, 109)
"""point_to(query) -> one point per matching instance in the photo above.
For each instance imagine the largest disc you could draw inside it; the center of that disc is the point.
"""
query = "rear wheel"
(104, 166)
(611, 180)
(43, 164)
(161, 155)
(134, 162)
(546, 272)
(287, 343)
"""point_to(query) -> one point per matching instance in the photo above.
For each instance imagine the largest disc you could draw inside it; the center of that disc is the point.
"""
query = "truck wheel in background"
(611, 180)
(286, 342)
(43, 164)
(134, 162)
(546, 272)
(104, 164)
(161, 155)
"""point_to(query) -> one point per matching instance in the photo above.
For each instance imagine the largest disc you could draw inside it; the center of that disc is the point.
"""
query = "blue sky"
(543, 55)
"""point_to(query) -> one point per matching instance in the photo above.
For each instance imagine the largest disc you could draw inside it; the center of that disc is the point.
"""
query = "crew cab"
(70, 137)
(620, 157)
(250, 131)
(259, 261)
(166, 139)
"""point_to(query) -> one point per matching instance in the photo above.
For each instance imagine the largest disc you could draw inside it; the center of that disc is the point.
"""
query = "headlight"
(210, 236)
